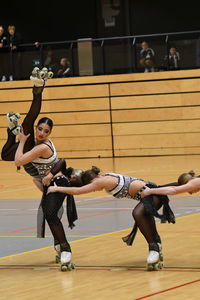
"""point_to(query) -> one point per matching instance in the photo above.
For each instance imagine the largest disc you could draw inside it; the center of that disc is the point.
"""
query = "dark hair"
(89, 175)
(185, 177)
(47, 121)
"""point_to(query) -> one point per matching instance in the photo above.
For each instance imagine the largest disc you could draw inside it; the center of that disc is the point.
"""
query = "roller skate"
(155, 257)
(65, 260)
(57, 258)
(39, 77)
(13, 124)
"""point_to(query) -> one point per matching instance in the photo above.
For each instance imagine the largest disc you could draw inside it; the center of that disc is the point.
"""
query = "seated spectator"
(172, 61)
(3, 54)
(64, 69)
(147, 57)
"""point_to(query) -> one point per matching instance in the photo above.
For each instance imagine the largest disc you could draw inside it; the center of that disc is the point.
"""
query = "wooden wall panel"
(146, 101)
(128, 115)
(154, 87)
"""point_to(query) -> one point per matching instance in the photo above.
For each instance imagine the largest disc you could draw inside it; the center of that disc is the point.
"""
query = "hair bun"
(95, 169)
(192, 173)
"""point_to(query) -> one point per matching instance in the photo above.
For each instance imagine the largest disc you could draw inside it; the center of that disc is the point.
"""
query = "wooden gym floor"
(105, 267)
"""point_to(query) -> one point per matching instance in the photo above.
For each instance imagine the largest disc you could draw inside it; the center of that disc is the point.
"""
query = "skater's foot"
(155, 257)
(13, 124)
(65, 260)
(65, 257)
(39, 77)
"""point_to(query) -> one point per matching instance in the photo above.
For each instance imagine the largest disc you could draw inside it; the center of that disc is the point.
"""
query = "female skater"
(43, 152)
(188, 183)
(122, 186)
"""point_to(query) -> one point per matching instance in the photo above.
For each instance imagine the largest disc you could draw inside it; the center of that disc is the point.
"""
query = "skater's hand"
(47, 179)
(52, 189)
(22, 137)
(145, 192)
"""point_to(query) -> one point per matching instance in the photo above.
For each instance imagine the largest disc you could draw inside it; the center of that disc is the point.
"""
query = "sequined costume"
(122, 188)
(43, 165)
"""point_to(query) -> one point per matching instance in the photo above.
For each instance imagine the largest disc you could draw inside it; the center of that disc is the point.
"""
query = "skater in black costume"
(122, 186)
(38, 156)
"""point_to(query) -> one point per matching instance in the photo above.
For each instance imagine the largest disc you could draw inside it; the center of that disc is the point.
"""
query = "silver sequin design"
(124, 191)
(45, 164)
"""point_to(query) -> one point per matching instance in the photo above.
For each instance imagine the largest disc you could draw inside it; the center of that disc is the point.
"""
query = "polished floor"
(105, 266)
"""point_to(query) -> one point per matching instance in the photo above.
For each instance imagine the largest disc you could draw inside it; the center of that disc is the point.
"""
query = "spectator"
(147, 57)
(37, 59)
(50, 61)
(64, 68)
(14, 41)
(3, 54)
(172, 60)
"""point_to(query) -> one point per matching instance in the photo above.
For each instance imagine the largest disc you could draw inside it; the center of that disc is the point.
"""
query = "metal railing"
(110, 55)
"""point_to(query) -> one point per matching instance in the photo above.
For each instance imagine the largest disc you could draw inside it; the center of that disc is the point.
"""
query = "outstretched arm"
(191, 186)
(91, 187)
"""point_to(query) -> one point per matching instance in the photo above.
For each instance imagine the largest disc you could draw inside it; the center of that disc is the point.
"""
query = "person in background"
(147, 57)
(64, 68)
(50, 61)
(172, 60)
(14, 41)
(3, 54)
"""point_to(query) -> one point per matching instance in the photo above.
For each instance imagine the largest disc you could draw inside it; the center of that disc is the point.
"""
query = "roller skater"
(37, 154)
(155, 257)
(123, 186)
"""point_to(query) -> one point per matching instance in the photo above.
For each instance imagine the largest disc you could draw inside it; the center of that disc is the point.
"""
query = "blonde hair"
(185, 177)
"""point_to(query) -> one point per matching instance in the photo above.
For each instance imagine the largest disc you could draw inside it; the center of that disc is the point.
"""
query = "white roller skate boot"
(13, 124)
(65, 259)
(154, 262)
(39, 77)
(57, 248)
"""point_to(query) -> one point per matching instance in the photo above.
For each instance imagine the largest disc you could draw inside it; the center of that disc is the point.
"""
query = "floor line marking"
(167, 290)
(87, 238)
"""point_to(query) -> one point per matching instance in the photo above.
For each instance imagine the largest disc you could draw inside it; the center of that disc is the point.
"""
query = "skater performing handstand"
(122, 186)
(188, 183)
(38, 156)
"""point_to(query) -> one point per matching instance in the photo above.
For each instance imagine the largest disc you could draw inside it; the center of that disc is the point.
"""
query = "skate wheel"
(155, 267)
(35, 71)
(50, 74)
(67, 267)
(63, 268)
(161, 257)
(149, 267)
(18, 115)
(57, 259)
(42, 74)
(71, 266)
